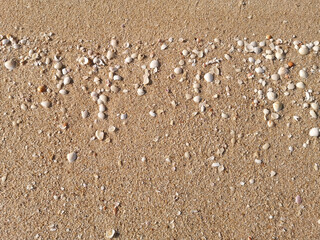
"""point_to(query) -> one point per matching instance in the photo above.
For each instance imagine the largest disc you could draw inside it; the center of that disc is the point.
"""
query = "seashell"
(83, 60)
(10, 64)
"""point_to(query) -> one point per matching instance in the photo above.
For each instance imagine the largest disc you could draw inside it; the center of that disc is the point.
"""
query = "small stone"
(140, 91)
(72, 157)
(154, 64)
(275, 77)
(271, 96)
(67, 80)
(10, 64)
(99, 135)
(63, 92)
(114, 89)
(123, 116)
(300, 85)
(303, 50)
(101, 115)
(58, 65)
(303, 73)
(314, 132)
(208, 77)
(178, 70)
(266, 146)
(84, 114)
(283, 71)
(45, 104)
(298, 200)
(112, 129)
(197, 99)
(277, 106)
(110, 233)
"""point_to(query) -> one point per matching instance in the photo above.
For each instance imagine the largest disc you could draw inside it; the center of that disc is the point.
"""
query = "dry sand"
(168, 196)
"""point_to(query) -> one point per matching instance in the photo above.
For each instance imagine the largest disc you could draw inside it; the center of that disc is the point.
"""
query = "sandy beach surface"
(159, 119)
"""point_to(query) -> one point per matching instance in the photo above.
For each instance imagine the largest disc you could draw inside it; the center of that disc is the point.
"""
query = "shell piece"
(314, 132)
(140, 91)
(10, 64)
(154, 64)
(208, 77)
(45, 104)
(303, 73)
(110, 233)
(303, 50)
(83, 60)
(99, 135)
(277, 106)
(72, 156)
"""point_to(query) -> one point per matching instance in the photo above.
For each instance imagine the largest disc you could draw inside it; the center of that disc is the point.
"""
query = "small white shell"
(275, 77)
(314, 132)
(110, 233)
(101, 115)
(303, 73)
(154, 64)
(277, 106)
(140, 92)
(259, 70)
(283, 71)
(83, 61)
(197, 99)
(178, 70)
(10, 64)
(67, 80)
(208, 77)
(303, 50)
(271, 96)
(45, 104)
(63, 92)
(300, 85)
(99, 135)
(84, 114)
(72, 156)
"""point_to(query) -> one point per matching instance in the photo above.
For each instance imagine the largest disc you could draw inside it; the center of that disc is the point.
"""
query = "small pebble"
(303, 50)
(45, 104)
(277, 106)
(154, 64)
(140, 92)
(10, 64)
(314, 132)
(178, 70)
(208, 77)
(72, 157)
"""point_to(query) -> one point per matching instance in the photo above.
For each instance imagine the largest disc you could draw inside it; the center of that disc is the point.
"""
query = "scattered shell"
(99, 135)
(112, 129)
(84, 114)
(277, 106)
(197, 99)
(208, 77)
(314, 132)
(178, 70)
(303, 50)
(303, 73)
(314, 106)
(275, 77)
(67, 80)
(10, 64)
(101, 115)
(58, 65)
(123, 116)
(271, 96)
(298, 200)
(83, 61)
(300, 85)
(283, 71)
(63, 92)
(110, 233)
(140, 91)
(114, 89)
(72, 157)
(154, 64)
(46, 104)
(110, 54)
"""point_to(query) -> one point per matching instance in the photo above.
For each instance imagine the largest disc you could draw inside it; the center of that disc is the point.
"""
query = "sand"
(167, 196)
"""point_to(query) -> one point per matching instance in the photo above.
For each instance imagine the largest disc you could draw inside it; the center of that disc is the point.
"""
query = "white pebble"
(46, 104)
(277, 106)
(303, 50)
(275, 77)
(101, 115)
(271, 96)
(140, 92)
(84, 114)
(67, 80)
(208, 77)
(10, 64)
(63, 92)
(300, 85)
(314, 132)
(303, 73)
(72, 157)
(154, 64)
(197, 99)
(178, 70)
(152, 113)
